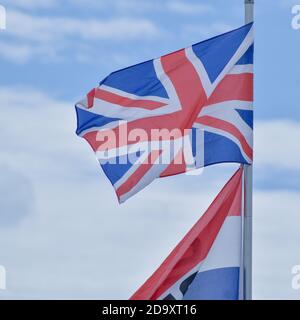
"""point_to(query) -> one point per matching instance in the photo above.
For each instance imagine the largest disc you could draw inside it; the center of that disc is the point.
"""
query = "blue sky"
(62, 232)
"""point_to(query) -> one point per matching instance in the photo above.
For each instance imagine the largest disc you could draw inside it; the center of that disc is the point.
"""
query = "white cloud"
(21, 52)
(67, 237)
(43, 130)
(276, 144)
(48, 28)
(43, 34)
(28, 36)
(189, 8)
(32, 4)
(14, 208)
(145, 6)
(276, 243)
(15, 53)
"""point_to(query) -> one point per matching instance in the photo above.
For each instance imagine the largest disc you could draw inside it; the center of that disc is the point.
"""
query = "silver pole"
(248, 187)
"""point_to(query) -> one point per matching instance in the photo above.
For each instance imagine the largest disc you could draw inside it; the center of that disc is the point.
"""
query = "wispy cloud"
(47, 28)
(23, 52)
(39, 30)
(189, 8)
(33, 4)
(145, 6)
(29, 35)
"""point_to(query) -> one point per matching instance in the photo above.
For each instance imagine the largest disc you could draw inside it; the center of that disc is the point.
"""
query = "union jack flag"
(194, 107)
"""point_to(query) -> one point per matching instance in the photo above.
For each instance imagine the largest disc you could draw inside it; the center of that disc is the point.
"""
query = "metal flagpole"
(248, 186)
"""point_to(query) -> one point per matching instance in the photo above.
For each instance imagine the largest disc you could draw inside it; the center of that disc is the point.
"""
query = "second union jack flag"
(185, 110)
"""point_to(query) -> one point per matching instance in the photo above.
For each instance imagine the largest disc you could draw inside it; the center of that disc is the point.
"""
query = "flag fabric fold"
(182, 111)
(206, 264)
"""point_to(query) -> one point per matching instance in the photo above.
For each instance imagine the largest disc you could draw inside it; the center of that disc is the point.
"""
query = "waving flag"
(206, 264)
(185, 110)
